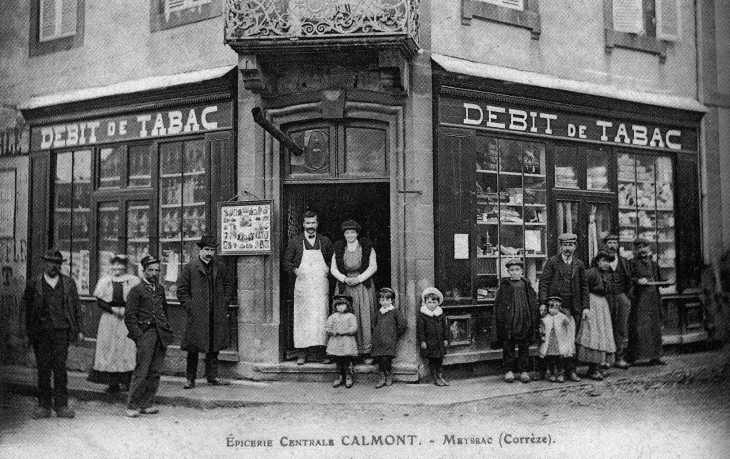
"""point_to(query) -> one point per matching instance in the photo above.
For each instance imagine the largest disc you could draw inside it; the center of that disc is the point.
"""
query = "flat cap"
(568, 237)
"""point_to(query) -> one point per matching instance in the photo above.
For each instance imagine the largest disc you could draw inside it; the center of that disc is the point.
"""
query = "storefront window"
(110, 167)
(71, 214)
(138, 230)
(183, 204)
(511, 206)
(108, 234)
(566, 168)
(597, 170)
(140, 166)
(646, 207)
(365, 151)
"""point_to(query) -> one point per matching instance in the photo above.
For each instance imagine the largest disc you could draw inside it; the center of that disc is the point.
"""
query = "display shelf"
(526, 175)
(182, 174)
(493, 257)
(147, 176)
(164, 240)
(486, 171)
(138, 240)
(176, 205)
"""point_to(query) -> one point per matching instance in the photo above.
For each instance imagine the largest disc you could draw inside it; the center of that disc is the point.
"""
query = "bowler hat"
(567, 237)
(53, 255)
(149, 260)
(207, 241)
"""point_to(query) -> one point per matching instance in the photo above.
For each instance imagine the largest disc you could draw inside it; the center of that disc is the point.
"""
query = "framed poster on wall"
(245, 227)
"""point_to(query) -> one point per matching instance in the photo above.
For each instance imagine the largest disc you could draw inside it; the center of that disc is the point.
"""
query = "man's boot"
(381, 381)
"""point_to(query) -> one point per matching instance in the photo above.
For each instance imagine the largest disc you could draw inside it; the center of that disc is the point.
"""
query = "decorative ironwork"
(266, 19)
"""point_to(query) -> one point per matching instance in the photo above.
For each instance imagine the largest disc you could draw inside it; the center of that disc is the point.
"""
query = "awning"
(464, 67)
(126, 87)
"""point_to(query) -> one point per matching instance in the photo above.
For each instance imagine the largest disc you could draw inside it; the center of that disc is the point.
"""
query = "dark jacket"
(33, 300)
(147, 305)
(387, 329)
(598, 281)
(293, 255)
(551, 284)
(621, 279)
(338, 249)
(504, 309)
(433, 330)
(195, 297)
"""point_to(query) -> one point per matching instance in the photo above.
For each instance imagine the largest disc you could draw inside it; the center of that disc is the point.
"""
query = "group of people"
(607, 315)
(134, 328)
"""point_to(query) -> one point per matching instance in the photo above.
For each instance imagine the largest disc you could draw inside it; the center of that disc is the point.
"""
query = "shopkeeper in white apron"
(306, 258)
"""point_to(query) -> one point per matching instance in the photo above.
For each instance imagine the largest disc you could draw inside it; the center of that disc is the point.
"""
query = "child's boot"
(442, 381)
(509, 377)
(349, 379)
(525, 377)
(381, 381)
(389, 378)
(338, 381)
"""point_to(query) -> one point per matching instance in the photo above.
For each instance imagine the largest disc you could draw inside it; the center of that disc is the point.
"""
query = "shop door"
(122, 226)
(590, 218)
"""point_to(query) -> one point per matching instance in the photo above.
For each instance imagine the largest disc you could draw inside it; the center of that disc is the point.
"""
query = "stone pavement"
(243, 393)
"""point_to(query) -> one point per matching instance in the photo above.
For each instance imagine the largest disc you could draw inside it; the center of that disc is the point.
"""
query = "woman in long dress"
(645, 319)
(353, 265)
(115, 355)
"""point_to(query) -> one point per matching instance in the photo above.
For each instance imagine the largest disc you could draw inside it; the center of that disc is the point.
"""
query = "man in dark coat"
(149, 328)
(563, 275)
(205, 290)
(307, 257)
(54, 320)
(618, 299)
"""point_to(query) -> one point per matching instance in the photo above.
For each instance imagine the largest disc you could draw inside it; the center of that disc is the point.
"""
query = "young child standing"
(557, 333)
(433, 332)
(389, 325)
(594, 341)
(341, 344)
(515, 320)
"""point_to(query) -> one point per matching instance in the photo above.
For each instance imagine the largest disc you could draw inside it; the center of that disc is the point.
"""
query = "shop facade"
(516, 165)
(136, 173)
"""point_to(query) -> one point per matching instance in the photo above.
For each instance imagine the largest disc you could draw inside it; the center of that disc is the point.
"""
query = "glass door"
(590, 218)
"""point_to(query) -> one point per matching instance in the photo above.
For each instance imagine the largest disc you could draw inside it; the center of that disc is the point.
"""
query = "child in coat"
(433, 333)
(594, 341)
(389, 325)
(341, 344)
(515, 320)
(557, 332)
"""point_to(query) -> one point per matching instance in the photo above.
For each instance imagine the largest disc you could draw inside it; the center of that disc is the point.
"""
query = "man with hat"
(149, 328)
(205, 289)
(563, 275)
(617, 295)
(645, 321)
(54, 320)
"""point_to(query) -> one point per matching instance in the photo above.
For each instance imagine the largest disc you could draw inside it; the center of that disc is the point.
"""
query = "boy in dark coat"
(389, 326)
(515, 320)
(433, 333)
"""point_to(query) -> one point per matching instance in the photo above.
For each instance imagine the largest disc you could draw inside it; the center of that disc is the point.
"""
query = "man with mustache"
(645, 321)
(54, 320)
(563, 275)
(149, 328)
(617, 295)
(205, 290)
(306, 259)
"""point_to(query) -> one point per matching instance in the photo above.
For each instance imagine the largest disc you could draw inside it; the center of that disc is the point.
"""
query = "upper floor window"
(56, 25)
(643, 25)
(166, 14)
(519, 13)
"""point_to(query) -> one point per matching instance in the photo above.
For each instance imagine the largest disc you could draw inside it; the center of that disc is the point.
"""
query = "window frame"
(647, 43)
(529, 18)
(40, 48)
(203, 12)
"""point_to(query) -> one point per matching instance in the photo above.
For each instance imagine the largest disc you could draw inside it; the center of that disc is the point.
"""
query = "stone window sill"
(527, 19)
(643, 43)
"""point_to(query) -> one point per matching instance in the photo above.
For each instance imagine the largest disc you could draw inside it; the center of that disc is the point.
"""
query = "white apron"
(311, 291)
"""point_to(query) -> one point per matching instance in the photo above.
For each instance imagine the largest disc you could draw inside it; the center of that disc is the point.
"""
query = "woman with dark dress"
(645, 319)
(353, 265)
(115, 355)
(515, 317)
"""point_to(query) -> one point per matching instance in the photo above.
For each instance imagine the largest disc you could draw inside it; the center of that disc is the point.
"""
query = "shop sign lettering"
(565, 125)
(135, 126)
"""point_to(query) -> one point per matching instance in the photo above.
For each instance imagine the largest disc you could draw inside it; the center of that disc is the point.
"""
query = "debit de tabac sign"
(560, 124)
(135, 126)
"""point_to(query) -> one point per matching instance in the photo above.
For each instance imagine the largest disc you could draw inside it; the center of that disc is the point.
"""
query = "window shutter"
(628, 16)
(57, 19)
(667, 20)
(514, 4)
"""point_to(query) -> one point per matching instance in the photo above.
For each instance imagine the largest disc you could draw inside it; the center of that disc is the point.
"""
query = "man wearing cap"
(306, 259)
(149, 328)
(645, 321)
(617, 295)
(54, 320)
(563, 275)
(205, 290)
